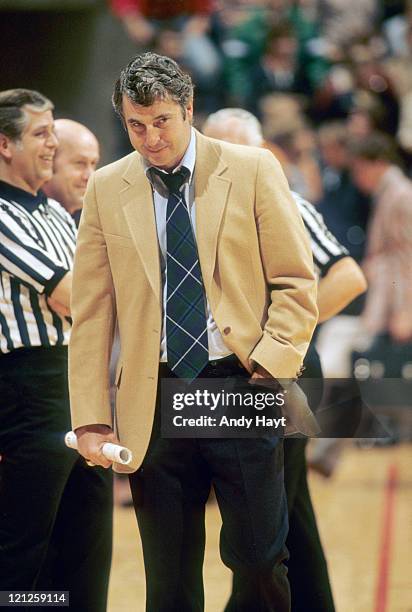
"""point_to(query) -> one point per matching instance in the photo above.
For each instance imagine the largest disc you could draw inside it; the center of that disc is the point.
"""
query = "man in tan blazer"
(245, 249)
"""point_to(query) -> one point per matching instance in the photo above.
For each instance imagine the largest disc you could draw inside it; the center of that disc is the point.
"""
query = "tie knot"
(173, 181)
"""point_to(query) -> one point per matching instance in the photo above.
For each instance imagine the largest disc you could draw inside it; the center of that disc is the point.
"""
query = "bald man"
(76, 158)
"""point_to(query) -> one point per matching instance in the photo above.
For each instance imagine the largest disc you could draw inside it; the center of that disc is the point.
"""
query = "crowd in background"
(294, 63)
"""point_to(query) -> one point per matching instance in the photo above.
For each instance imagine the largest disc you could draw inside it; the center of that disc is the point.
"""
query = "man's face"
(75, 161)
(364, 174)
(158, 132)
(31, 158)
(333, 153)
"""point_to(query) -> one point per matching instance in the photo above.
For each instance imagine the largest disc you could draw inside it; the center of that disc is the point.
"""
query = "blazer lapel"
(137, 201)
(211, 193)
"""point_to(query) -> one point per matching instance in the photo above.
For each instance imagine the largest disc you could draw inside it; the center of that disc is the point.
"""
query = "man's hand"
(263, 378)
(300, 418)
(63, 290)
(260, 372)
(90, 440)
(61, 310)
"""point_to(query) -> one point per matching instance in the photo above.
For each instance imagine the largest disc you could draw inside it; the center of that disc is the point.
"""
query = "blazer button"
(227, 330)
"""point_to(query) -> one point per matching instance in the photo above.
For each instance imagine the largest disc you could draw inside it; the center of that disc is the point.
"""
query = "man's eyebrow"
(41, 126)
(161, 116)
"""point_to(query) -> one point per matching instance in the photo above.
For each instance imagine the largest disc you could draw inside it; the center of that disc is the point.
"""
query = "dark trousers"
(56, 512)
(169, 493)
(307, 569)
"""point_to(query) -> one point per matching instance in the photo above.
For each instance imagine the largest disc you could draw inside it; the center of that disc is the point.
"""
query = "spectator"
(396, 26)
(302, 167)
(315, 52)
(343, 21)
(285, 127)
(346, 211)
(344, 208)
(365, 114)
(389, 250)
(178, 28)
(372, 77)
(281, 113)
(241, 29)
(279, 69)
(399, 68)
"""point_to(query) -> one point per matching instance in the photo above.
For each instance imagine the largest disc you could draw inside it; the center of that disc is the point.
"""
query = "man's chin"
(160, 159)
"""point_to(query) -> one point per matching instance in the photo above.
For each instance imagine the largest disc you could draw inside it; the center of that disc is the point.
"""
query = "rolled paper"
(112, 452)
(115, 452)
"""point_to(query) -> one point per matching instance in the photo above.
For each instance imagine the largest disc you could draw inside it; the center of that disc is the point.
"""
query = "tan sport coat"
(257, 270)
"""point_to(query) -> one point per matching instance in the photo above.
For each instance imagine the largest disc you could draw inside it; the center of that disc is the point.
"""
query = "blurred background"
(320, 75)
(297, 64)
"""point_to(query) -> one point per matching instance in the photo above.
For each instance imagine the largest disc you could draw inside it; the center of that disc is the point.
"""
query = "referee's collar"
(20, 196)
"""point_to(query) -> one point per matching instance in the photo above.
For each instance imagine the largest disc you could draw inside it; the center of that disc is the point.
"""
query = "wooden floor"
(365, 518)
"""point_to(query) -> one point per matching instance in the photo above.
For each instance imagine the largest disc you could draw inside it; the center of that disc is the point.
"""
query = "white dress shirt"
(217, 347)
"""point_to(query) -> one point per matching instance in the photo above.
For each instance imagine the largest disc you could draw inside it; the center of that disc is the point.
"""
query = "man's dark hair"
(150, 77)
(375, 147)
(282, 29)
(13, 119)
(334, 132)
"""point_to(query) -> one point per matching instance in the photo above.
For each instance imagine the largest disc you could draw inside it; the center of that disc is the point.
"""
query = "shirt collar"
(25, 198)
(188, 161)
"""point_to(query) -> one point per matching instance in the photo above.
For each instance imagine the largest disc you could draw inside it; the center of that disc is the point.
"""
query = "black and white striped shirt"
(326, 249)
(37, 242)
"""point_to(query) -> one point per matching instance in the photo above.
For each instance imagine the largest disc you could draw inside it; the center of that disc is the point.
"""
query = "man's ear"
(189, 110)
(5, 147)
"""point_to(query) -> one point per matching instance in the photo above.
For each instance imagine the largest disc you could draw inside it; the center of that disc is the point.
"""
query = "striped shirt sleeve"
(326, 249)
(25, 258)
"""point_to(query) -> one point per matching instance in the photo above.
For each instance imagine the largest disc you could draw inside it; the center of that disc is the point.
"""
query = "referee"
(55, 526)
(340, 281)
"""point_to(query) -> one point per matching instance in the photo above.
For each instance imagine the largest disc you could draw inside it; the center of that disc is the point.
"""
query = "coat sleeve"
(289, 272)
(94, 316)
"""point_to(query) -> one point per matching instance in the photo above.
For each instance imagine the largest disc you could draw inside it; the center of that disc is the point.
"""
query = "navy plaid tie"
(186, 326)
